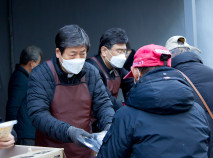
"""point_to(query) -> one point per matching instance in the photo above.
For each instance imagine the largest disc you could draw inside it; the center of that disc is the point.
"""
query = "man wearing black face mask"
(110, 60)
(62, 94)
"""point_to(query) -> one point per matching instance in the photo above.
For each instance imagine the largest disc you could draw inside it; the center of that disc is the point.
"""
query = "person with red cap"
(161, 118)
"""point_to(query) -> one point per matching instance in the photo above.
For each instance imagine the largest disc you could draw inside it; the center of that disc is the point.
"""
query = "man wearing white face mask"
(64, 91)
(110, 60)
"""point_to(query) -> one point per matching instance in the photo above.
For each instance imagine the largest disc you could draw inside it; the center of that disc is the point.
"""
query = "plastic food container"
(6, 128)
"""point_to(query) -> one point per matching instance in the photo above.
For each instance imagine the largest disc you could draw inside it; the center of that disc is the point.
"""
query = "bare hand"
(7, 142)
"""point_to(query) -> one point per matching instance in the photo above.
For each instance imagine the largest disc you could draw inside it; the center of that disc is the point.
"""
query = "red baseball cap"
(149, 56)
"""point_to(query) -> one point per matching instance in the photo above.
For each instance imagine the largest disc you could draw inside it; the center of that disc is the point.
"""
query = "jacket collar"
(185, 58)
(108, 71)
(98, 57)
(21, 69)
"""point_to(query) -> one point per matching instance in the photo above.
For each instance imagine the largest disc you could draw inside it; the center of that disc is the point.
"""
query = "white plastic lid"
(8, 123)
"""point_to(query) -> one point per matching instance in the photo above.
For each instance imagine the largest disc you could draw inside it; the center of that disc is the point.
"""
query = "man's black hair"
(111, 37)
(71, 36)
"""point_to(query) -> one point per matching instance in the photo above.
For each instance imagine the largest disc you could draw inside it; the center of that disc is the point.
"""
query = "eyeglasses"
(120, 51)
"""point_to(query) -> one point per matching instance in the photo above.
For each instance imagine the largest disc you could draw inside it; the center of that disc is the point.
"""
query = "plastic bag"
(96, 142)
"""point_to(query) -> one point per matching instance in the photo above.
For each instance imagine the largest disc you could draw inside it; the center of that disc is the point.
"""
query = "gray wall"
(36, 22)
(204, 22)
(147, 21)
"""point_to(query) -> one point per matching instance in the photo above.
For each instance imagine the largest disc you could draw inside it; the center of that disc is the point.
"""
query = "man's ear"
(132, 69)
(31, 64)
(134, 72)
(58, 53)
(103, 51)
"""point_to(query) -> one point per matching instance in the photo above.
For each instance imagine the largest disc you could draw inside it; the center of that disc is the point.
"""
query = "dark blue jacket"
(126, 84)
(16, 108)
(41, 92)
(201, 76)
(161, 120)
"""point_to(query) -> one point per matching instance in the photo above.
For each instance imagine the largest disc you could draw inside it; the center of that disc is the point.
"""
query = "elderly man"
(63, 94)
(186, 59)
(16, 108)
(160, 119)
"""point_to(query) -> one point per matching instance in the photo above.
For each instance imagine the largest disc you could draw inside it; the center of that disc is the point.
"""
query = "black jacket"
(160, 120)
(201, 76)
(16, 108)
(126, 84)
(129, 61)
(41, 93)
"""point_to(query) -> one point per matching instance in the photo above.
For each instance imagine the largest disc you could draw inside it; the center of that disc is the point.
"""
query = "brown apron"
(71, 104)
(112, 84)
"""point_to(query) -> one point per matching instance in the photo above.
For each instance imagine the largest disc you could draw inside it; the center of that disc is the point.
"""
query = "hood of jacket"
(185, 58)
(161, 91)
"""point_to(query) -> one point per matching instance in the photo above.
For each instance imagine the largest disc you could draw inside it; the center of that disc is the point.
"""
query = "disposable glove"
(96, 142)
(77, 135)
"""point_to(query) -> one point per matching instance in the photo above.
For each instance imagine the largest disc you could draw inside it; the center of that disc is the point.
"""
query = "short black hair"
(30, 53)
(71, 36)
(111, 37)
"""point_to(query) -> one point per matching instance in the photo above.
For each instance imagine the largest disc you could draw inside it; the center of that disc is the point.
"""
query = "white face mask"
(73, 66)
(118, 60)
